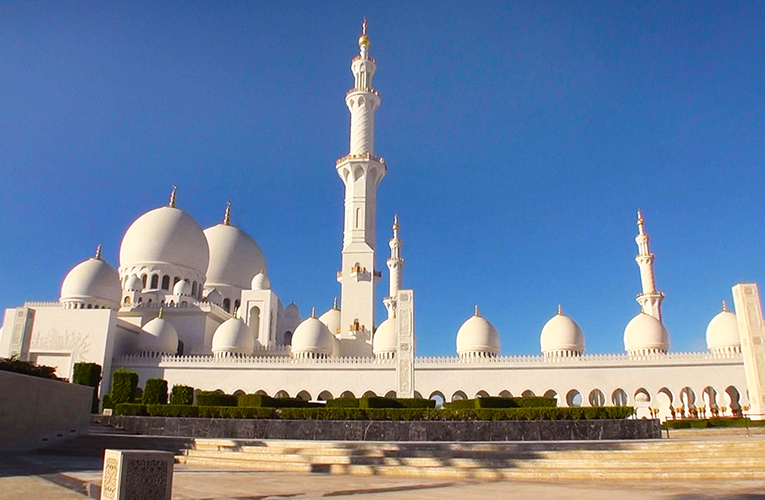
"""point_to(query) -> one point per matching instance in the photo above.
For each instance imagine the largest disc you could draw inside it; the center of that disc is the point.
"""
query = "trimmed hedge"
(262, 401)
(524, 402)
(577, 413)
(155, 392)
(124, 384)
(378, 402)
(343, 403)
(88, 374)
(16, 365)
(182, 395)
(212, 398)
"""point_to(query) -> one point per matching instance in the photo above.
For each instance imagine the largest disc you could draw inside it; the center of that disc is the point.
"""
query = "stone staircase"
(723, 458)
(101, 437)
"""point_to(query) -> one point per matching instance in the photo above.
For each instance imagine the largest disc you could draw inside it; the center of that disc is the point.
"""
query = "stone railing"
(243, 361)
(364, 156)
(42, 304)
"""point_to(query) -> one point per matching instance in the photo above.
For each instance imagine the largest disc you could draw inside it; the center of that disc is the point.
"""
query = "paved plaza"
(49, 477)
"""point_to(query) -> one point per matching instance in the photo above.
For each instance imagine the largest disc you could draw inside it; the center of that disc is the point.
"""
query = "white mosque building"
(196, 307)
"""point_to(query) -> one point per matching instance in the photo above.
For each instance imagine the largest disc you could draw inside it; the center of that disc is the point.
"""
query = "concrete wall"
(36, 411)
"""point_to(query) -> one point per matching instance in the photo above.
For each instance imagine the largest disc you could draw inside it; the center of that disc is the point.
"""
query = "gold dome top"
(363, 39)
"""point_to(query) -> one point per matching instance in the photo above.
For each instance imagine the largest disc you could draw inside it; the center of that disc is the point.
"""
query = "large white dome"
(477, 337)
(92, 282)
(385, 340)
(158, 336)
(561, 336)
(165, 235)
(233, 337)
(722, 332)
(312, 339)
(645, 334)
(235, 258)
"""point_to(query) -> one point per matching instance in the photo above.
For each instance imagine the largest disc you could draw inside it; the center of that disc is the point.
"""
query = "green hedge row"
(262, 401)
(16, 365)
(578, 413)
(182, 395)
(212, 398)
(379, 402)
(525, 402)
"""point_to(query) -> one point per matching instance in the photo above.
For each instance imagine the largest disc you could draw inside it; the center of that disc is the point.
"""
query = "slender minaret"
(395, 269)
(361, 172)
(649, 299)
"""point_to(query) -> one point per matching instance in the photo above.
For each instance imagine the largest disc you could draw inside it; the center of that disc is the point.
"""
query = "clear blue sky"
(520, 138)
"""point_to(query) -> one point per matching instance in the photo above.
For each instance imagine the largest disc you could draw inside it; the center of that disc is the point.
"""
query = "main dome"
(561, 335)
(92, 281)
(235, 258)
(165, 235)
(477, 337)
(645, 334)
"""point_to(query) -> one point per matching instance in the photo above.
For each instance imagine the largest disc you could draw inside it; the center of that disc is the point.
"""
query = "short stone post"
(137, 475)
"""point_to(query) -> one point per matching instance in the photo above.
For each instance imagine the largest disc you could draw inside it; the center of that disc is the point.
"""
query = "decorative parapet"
(202, 305)
(40, 305)
(363, 156)
(371, 91)
(256, 360)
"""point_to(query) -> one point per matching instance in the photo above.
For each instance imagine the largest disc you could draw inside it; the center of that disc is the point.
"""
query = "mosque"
(196, 307)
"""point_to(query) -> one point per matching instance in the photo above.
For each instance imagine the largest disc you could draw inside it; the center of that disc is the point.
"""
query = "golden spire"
(640, 222)
(560, 310)
(172, 197)
(334, 306)
(725, 307)
(476, 310)
(364, 26)
(364, 39)
(159, 314)
(227, 215)
(98, 252)
(313, 312)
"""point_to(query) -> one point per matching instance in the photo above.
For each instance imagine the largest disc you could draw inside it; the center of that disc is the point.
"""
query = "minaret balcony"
(368, 89)
(363, 156)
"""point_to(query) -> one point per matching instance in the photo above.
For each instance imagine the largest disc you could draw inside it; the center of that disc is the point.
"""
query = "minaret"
(649, 299)
(361, 172)
(395, 269)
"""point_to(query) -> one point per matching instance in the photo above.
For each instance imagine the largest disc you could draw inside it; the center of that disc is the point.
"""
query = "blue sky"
(520, 140)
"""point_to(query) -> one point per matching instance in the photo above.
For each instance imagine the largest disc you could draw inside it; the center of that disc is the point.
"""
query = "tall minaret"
(361, 172)
(395, 269)
(649, 299)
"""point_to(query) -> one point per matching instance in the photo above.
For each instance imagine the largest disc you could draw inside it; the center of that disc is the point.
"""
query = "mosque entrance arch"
(733, 398)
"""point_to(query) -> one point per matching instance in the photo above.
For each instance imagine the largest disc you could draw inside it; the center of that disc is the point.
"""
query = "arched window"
(166, 282)
(287, 338)
(154, 281)
(127, 301)
(236, 304)
(227, 305)
(143, 280)
(194, 289)
(176, 280)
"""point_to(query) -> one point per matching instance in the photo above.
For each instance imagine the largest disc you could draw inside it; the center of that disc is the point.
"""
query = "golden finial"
(395, 222)
(313, 312)
(725, 307)
(476, 309)
(159, 314)
(98, 252)
(364, 39)
(227, 215)
(334, 306)
(364, 26)
(640, 217)
(172, 196)
(560, 310)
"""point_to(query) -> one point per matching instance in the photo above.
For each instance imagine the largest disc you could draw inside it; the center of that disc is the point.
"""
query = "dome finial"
(227, 215)
(560, 310)
(160, 313)
(334, 305)
(313, 312)
(640, 221)
(98, 252)
(364, 39)
(172, 197)
(725, 307)
(476, 310)
(236, 310)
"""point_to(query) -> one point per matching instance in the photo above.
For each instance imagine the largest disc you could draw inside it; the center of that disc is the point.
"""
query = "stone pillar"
(137, 475)
(405, 344)
(746, 297)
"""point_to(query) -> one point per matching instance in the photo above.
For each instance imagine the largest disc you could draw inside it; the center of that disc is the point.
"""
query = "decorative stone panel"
(137, 475)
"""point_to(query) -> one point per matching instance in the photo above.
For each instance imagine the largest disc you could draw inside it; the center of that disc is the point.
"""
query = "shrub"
(531, 402)
(526, 402)
(155, 392)
(172, 410)
(416, 403)
(182, 395)
(343, 403)
(263, 401)
(130, 409)
(88, 374)
(124, 385)
(16, 365)
(108, 401)
(212, 398)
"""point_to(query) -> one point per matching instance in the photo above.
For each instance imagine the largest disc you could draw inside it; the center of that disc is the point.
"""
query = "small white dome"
(331, 318)
(165, 235)
(560, 334)
(477, 336)
(292, 311)
(312, 339)
(722, 332)
(183, 287)
(233, 336)
(92, 281)
(158, 336)
(645, 334)
(215, 297)
(134, 284)
(235, 258)
(385, 340)
(260, 282)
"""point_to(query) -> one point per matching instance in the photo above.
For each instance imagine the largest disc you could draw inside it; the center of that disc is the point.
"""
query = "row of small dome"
(222, 256)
